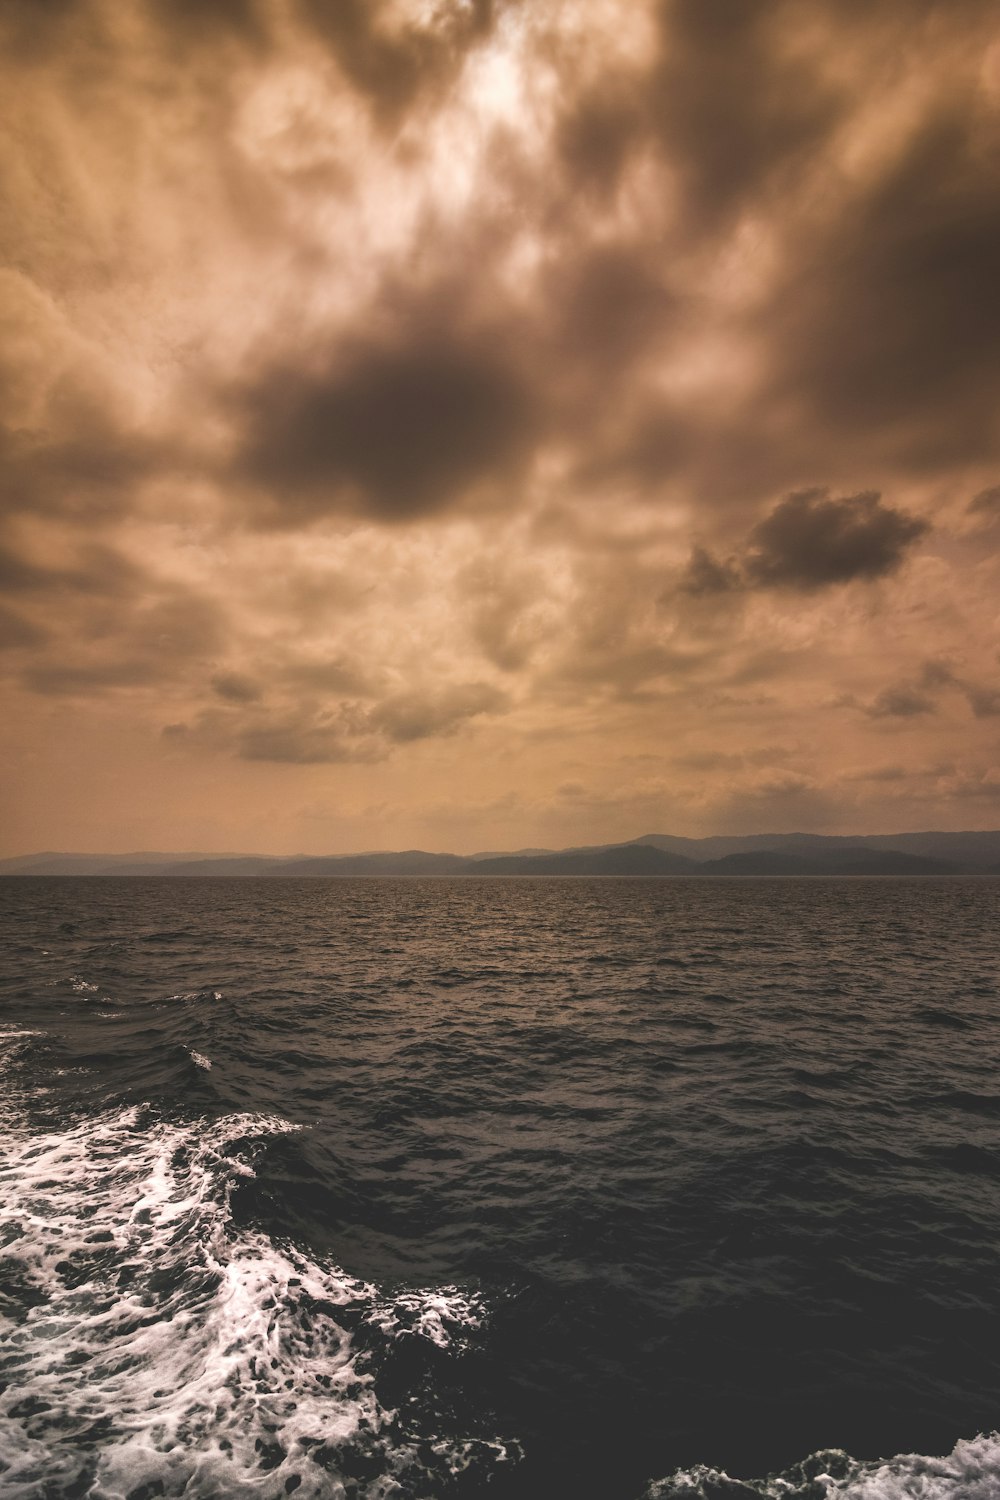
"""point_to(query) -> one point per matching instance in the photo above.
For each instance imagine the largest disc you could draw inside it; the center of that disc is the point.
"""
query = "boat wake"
(152, 1348)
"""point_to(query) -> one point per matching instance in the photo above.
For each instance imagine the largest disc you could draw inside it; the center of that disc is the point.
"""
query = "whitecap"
(443, 1315)
(971, 1471)
(148, 1341)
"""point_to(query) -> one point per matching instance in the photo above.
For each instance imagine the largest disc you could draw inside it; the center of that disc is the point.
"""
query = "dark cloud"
(705, 574)
(97, 570)
(154, 641)
(732, 109)
(810, 541)
(15, 631)
(31, 29)
(418, 716)
(900, 703)
(890, 773)
(233, 687)
(283, 266)
(69, 679)
(333, 674)
(730, 112)
(984, 701)
(90, 466)
(17, 574)
(208, 20)
(880, 331)
(919, 697)
(394, 432)
(597, 133)
(938, 672)
(887, 327)
(613, 305)
(306, 731)
(303, 737)
(986, 504)
(393, 67)
(633, 669)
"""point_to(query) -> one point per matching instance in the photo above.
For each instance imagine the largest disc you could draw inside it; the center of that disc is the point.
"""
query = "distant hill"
(409, 862)
(616, 859)
(654, 854)
(969, 851)
(141, 863)
(848, 861)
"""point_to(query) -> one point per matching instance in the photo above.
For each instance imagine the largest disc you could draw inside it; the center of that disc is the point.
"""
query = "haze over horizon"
(475, 425)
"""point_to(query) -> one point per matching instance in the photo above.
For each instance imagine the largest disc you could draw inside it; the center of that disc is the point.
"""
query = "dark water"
(560, 1188)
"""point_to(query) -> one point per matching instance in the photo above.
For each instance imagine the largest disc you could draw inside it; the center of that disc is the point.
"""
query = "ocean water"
(631, 1189)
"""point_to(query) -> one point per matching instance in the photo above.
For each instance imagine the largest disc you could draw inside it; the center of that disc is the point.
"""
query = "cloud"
(392, 65)
(147, 643)
(369, 369)
(882, 774)
(986, 504)
(95, 570)
(984, 701)
(69, 679)
(200, 22)
(610, 306)
(598, 132)
(418, 716)
(395, 432)
(884, 330)
(810, 541)
(938, 672)
(924, 695)
(900, 703)
(16, 631)
(300, 739)
(733, 110)
(304, 731)
(705, 574)
(235, 688)
(33, 31)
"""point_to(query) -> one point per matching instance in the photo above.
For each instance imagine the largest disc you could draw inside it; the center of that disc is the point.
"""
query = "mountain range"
(654, 854)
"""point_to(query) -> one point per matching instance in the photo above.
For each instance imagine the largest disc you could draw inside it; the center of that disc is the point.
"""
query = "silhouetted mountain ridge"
(653, 854)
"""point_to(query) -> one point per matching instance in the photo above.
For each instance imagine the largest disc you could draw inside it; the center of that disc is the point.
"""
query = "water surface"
(526, 1188)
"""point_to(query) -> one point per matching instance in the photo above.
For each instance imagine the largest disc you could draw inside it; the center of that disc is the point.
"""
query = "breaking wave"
(970, 1472)
(151, 1348)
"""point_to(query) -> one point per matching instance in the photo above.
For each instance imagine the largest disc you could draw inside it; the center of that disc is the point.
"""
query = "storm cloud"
(395, 432)
(810, 541)
(421, 409)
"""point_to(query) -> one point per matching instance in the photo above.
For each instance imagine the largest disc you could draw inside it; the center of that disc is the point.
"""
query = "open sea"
(526, 1189)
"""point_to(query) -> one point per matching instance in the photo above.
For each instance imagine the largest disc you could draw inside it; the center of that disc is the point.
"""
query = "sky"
(484, 424)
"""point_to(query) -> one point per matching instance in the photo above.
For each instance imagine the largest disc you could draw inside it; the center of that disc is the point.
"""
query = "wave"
(153, 1348)
(970, 1472)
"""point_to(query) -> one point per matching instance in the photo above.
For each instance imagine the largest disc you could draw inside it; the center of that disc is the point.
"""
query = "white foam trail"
(442, 1316)
(148, 1342)
(970, 1472)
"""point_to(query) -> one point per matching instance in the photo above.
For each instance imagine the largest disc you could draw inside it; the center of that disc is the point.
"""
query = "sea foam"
(151, 1347)
(970, 1472)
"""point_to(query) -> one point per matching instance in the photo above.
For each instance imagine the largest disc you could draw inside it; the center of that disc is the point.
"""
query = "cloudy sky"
(483, 423)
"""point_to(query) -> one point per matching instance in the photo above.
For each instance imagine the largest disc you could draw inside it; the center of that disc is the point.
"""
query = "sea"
(529, 1189)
